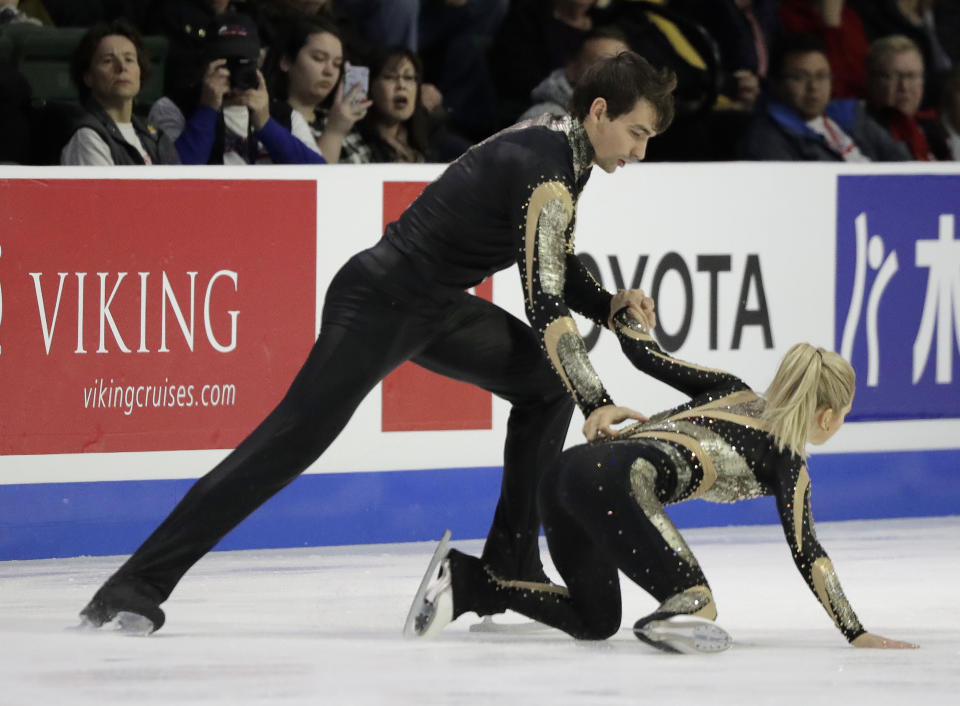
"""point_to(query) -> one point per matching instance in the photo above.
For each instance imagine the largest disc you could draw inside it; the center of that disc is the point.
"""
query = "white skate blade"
(487, 624)
(439, 554)
(685, 634)
(124, 622)
(131, 624)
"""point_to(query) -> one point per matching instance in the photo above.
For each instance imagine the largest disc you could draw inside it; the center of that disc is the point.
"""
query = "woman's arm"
(646, 355)
(793, 504)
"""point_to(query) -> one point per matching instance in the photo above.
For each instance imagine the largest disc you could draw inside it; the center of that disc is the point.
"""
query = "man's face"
(623, 139)
(897, 82)
(114, 71)
(805, 83)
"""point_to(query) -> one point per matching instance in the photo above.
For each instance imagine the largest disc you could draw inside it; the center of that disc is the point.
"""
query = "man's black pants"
(374, 319)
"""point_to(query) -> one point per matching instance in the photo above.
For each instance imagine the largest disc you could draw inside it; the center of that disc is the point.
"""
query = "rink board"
(150, 318)
(114, 517)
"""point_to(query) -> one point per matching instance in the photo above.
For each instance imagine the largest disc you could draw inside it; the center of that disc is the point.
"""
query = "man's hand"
(599, 423)
(640, 306)
(868, 639)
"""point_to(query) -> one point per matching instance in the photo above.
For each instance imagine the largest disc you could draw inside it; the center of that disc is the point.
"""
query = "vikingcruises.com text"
(104, 394)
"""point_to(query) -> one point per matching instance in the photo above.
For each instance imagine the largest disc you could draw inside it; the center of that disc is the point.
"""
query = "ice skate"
(488, 624)
(685, 634)
(123, 608)
(432, 606)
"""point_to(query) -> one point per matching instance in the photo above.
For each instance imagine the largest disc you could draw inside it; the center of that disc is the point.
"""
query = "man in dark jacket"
(107, 67)
(801, 123)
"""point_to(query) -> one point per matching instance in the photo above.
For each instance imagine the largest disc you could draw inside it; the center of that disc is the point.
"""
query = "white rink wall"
(744, 260)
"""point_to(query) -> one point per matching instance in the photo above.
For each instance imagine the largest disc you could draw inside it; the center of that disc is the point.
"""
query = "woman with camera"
(224, 117)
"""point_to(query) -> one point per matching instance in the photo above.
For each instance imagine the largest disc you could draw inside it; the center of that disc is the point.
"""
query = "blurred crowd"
(361, 81)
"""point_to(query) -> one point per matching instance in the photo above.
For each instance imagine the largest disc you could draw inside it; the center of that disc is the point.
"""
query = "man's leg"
(365, 335)
(484, 345)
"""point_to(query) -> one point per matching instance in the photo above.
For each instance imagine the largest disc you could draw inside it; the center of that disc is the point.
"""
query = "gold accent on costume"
(693, 446)
(551, 246)
(830, 593)
(544, 194)
(556, 329)
(531, 586)
(799, 493)
(568, 354)
(634, 330)
(743, 420)
(643, 487)
(697, 601)
(738, 397)
(676, 361)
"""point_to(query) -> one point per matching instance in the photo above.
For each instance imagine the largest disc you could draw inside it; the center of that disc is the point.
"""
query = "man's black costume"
(510, 200)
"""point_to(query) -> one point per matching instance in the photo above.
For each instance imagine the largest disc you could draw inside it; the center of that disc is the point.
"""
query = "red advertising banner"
(150, 315)
(414, 399)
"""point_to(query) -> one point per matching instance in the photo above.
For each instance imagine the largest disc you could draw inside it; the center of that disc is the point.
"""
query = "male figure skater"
(509, 200)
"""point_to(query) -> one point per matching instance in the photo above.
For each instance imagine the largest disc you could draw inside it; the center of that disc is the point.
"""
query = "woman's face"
(394, 91)
(316, 69)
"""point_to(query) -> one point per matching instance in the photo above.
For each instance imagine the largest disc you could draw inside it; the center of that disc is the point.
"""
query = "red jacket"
(846, 45)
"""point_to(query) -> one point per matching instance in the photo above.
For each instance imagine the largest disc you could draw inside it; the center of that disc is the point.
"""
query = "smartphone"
(356, 76)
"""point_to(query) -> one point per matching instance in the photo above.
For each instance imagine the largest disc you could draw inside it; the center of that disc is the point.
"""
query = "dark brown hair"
(622, 80)
(83, 54)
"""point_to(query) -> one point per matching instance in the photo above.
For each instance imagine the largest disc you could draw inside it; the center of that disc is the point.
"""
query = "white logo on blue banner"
(898, 293)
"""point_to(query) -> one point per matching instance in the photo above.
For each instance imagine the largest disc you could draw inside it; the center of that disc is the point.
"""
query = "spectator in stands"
(895, 74)
(226, 118)
(841, 29)
(395, 129)
(304, 76)
(950, 113)
(454, 41)
(801, 123)
(86, 13)
(107, 67)
(744, 31)
(11, 13)
(189, 20)
(914, 19)
(15, 124)
(947, 21)
(553, 94)
(537, 37)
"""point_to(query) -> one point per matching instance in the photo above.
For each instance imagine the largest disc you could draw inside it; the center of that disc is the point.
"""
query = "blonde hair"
(809, 379)
(881, 48)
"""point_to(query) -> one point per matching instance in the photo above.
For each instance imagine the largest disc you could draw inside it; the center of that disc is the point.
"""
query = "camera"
(243, 73)
(234, 37)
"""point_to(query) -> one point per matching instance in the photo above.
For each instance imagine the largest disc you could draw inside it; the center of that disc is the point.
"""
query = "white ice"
(323, 626)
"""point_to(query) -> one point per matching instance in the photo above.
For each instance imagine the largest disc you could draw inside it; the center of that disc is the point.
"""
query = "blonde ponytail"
(809, 379)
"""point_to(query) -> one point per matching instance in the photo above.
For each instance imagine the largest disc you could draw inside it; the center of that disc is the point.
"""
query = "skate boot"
(684, 634)
(432, 606)
(684, 623)
(126, 606)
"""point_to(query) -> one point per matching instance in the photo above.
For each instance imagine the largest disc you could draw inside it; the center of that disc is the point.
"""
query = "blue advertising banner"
(898, 294)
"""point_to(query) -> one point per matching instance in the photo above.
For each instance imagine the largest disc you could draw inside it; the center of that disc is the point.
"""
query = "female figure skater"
(602, 505)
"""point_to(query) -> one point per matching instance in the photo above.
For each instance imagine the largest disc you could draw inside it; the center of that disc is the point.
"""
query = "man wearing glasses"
(801, 123)
(895, 74)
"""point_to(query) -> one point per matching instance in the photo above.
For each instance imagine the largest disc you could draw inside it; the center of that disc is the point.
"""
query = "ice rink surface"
(322, 626)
